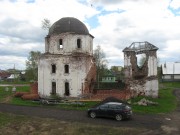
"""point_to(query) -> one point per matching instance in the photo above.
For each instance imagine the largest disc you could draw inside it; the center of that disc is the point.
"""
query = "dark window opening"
(53, 88)
(67, 89)
(60, 43)
(78, 43)
(53, 68)
(66, 68)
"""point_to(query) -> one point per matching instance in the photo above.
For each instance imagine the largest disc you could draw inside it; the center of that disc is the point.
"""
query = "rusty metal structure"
(141, 80)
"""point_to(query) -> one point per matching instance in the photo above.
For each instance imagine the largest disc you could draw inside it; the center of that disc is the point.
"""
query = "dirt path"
(81, 116)
(172, 123)
(155, 124)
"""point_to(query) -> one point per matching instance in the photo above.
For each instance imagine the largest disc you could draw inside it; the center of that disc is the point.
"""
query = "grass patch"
(6, 118)
(19, 101)
(15, 124)
(171, 84)
(14, 82)
(87, 104)
(4, 95)
(104, 130)
(167, 102)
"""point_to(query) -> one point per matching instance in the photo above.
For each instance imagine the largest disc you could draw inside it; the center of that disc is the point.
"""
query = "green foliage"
(109, 85)
(32, 65)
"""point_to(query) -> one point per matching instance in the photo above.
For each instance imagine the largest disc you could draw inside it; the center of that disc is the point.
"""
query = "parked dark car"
(116, 110)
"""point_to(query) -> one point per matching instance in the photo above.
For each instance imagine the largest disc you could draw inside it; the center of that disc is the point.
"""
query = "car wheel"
(118, 117)
(92, 114)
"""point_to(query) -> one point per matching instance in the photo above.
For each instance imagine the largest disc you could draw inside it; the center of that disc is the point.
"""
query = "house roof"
(171, 68)
(4, 74)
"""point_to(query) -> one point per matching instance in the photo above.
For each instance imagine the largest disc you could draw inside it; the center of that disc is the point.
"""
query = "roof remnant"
(140, 47)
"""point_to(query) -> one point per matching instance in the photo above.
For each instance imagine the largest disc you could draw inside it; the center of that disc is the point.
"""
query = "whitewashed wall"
(151, 88)
(78, 68)
(76, 77)
(69, 44)
(152, 66)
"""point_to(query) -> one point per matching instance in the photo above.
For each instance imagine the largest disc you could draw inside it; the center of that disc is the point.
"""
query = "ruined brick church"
(67, 67)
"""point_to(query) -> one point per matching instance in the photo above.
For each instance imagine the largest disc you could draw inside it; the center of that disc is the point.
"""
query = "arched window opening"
(141, 59)
(66, 69)
(78, 43)
(60, 43)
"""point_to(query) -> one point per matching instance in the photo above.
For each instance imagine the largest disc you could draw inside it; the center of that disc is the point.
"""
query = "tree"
(46, 24)
(100, 58)
(32, 65)
(101, 62)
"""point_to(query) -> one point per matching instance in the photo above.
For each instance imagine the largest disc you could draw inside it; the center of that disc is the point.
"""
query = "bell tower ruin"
(141, 80)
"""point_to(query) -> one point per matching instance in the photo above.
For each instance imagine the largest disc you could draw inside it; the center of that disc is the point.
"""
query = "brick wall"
(119, 94)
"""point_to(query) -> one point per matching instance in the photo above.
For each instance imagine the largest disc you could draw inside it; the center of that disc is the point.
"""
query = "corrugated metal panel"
(171, 68)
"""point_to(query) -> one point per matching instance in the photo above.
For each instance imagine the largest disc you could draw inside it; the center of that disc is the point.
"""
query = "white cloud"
(7, 62)
(148, 20)
(175, 4)
(20, 23)
(121, 22)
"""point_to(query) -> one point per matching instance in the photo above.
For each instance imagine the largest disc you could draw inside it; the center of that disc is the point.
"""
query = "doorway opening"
(67, 93)
(53, 88)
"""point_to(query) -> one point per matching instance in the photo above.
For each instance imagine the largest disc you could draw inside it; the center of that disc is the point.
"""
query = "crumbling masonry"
(141, 80)
(67, 67)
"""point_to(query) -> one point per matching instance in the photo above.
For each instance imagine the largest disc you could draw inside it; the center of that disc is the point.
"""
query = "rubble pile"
(146, 102)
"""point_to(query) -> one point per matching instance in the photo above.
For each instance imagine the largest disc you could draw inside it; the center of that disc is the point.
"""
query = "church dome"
(68, 24)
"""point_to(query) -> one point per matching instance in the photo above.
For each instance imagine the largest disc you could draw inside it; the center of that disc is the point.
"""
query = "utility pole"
(14, 72)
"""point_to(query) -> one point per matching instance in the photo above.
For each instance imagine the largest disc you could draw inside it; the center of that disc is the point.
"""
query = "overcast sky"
(115, 24)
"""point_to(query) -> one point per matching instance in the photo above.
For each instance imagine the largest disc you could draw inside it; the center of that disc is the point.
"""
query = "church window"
(67, 92)
(53, 68)
(53, 91)
(66, 69)
(78, 43)
(60, 43)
